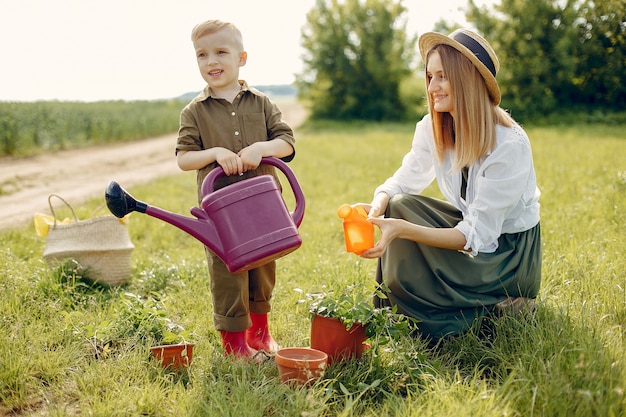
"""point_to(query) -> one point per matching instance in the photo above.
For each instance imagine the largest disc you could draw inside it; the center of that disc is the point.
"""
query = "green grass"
(568, 359)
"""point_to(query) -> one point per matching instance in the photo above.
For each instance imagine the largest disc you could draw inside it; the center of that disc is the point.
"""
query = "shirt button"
(236, 133)
(232, 114)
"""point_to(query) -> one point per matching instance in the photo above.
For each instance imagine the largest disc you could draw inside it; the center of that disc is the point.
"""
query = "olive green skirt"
(446, 290)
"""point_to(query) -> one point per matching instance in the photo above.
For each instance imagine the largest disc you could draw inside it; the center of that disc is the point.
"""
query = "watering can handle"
(298, 212)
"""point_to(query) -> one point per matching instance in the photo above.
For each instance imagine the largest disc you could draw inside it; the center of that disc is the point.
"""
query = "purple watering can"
(246, 224)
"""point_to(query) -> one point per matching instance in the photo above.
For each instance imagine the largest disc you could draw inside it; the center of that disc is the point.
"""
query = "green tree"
(557, 55)
(357, 53)
(534, 42)
(601, 54)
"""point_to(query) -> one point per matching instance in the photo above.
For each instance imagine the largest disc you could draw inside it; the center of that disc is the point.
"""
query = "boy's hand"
(230, 162)
(250, 157)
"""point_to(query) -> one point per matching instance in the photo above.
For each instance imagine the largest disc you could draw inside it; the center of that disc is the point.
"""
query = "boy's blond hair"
(213, 26)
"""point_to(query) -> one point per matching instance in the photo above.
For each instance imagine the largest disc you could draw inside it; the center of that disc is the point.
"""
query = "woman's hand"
(389, 230)
(443, 237)
(378, 205)
(374, 211)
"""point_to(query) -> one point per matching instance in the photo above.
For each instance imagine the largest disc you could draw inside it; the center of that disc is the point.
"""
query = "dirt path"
(79, 175)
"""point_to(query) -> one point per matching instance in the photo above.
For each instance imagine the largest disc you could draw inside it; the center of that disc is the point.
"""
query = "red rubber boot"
(258, 336)
(235, 344)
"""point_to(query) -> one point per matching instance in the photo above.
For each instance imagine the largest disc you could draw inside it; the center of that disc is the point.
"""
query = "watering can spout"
(120, 203)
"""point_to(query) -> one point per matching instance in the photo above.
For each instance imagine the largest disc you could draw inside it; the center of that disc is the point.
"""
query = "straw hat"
(474, 47)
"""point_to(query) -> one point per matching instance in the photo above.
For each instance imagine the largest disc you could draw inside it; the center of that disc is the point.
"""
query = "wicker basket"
(100, 245)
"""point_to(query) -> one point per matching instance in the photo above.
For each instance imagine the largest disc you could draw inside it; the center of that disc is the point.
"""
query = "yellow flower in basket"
(44, 221)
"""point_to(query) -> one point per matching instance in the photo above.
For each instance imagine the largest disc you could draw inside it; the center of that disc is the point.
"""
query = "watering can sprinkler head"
(120, 202)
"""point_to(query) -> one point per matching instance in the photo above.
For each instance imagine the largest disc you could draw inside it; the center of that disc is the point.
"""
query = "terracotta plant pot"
(176, 356)
(300, 365)
(330, 335)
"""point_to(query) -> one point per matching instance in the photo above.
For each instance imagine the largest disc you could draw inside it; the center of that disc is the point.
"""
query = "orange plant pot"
(331, 336)
(175, 356)
(300, 365)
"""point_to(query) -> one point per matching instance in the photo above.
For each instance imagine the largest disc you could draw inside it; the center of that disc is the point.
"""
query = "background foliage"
(556, 57)
(357, 56)
(561, 62)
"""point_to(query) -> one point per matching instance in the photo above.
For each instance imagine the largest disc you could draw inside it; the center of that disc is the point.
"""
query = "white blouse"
(502, 194)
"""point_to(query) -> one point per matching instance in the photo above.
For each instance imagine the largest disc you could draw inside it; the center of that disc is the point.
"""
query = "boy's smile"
(215, 73)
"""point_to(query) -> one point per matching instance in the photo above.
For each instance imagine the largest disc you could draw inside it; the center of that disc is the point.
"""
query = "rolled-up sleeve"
(188, 133)
(277, 128)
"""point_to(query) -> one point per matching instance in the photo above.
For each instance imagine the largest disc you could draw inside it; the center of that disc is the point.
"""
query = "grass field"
(567, 359)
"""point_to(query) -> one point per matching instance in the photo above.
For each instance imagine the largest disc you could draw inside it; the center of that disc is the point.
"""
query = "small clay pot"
(175, 356)
(300, 365)
(331, 336)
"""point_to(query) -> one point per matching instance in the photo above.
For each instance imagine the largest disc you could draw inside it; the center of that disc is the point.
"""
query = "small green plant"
(352, 306)
(147, 317)
(137, 320)
(71, 273)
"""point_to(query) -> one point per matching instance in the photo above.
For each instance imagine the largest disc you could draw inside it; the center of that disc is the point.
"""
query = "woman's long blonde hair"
(472, 132)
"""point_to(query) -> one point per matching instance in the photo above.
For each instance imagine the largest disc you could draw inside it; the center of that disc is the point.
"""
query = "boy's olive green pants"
(237, 295)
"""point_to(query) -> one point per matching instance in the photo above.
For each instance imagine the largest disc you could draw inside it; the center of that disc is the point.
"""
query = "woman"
(448, 263)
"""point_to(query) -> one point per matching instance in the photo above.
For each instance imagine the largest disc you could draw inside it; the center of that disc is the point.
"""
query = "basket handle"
(98, 209)
(52, 208)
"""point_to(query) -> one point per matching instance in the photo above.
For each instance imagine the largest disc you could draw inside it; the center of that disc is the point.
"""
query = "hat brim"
(431, 39)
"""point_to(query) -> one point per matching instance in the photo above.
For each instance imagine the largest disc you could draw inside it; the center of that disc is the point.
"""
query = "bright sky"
(93, 50)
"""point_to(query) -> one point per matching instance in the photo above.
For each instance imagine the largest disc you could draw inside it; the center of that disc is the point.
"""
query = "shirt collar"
(206, 92)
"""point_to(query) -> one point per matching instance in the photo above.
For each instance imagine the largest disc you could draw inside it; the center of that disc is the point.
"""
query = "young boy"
(232, 125)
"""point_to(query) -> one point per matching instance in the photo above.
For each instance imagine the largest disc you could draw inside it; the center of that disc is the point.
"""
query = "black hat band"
(477, 49)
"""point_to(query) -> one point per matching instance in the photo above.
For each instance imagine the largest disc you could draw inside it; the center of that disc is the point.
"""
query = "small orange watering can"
(358, 232)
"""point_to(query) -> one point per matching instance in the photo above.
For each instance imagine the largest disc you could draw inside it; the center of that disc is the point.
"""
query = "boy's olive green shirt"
(208, 122)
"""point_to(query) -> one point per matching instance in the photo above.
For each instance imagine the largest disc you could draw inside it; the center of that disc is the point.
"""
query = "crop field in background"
(29, 128)
(566, 359)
